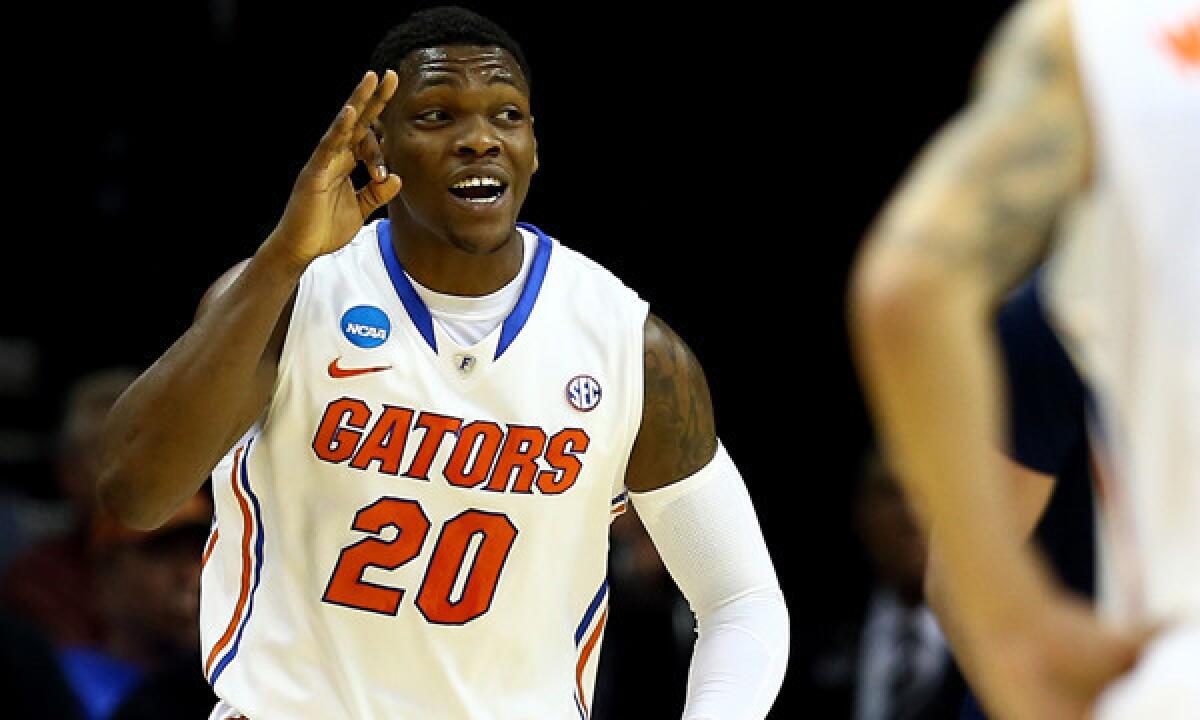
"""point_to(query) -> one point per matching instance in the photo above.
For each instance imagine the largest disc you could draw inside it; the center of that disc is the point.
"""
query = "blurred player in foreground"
(1094, 104)
(426, 426)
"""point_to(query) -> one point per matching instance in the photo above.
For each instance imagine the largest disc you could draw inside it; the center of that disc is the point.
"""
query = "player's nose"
(478, 138)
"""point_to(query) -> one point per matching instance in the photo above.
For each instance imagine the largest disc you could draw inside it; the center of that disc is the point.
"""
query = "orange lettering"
(386, 441)
(564, 460)
(456, 468)
(436, 426)
(334, 443)
(521, 450)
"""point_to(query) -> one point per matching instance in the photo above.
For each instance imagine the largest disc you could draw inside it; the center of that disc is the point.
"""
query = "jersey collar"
(419, 313)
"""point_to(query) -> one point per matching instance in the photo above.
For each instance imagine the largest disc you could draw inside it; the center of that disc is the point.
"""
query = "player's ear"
(535, 154)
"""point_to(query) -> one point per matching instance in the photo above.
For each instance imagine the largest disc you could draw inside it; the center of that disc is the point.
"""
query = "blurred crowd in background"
(100, 621)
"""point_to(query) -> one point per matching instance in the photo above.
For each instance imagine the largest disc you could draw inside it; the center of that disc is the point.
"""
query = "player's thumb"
(377, 193)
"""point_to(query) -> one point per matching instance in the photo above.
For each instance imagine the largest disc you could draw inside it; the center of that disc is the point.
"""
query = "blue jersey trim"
(421, 317)
(529, 295)
(258, 550)
(591, 611)
(408, 295)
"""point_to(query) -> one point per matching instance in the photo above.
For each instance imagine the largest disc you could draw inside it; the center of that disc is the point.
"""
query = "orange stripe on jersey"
(208, 548)
(247, 530)
(587, 652)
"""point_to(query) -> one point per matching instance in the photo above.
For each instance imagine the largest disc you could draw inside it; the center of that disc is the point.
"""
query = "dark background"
(723, 162)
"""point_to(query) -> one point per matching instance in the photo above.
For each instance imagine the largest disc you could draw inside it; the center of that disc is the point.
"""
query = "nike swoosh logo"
(336, 371)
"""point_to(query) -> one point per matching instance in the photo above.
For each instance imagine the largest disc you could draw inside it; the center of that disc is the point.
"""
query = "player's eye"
(511, 115)
(433, 116)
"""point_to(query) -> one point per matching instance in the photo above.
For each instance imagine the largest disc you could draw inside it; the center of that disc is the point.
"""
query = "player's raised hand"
(325, 211)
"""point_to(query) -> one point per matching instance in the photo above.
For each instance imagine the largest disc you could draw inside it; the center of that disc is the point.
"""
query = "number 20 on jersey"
(436, 599)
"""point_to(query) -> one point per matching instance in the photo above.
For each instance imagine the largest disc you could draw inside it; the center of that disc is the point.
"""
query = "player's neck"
(439, 265)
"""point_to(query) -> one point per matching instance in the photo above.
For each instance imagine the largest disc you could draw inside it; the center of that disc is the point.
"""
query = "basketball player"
(1093, 105)
(422, 428)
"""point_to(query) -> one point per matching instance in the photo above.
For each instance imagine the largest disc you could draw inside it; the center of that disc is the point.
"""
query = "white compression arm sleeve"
(706, 531)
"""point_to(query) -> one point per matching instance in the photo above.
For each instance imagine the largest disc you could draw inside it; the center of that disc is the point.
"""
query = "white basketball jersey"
(420, 530)
(1124, 291)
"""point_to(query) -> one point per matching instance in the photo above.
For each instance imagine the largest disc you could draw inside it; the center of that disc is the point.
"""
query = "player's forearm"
(165, 434)
(1030, 493)
(707, 534)
(923, 338)
(740, 658)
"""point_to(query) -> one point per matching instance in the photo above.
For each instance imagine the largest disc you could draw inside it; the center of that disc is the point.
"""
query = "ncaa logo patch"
(583, 392)
(366, 326)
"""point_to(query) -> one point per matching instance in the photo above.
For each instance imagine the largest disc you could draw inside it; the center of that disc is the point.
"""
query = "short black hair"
(439, 26)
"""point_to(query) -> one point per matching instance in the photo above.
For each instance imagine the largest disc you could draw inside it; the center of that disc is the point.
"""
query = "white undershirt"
(467, 319)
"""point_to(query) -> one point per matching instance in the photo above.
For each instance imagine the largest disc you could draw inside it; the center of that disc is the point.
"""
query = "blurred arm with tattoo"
(971, 218)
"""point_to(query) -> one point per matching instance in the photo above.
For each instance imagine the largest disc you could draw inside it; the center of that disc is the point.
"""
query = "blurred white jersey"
(1124, 292)
(417, 529)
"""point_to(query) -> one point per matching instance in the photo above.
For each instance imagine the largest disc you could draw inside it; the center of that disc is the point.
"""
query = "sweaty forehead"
(459, 64)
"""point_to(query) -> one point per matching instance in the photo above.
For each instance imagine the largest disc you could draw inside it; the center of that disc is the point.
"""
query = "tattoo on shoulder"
(677, 418)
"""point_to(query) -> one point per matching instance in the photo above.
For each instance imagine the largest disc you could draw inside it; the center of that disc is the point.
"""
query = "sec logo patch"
(366, 326)
(583, 392)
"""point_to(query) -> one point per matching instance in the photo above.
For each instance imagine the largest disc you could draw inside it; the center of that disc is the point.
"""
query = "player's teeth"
(476, 182)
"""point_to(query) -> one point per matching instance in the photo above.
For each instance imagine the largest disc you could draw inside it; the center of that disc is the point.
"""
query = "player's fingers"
(334, 142)
(329, 159)
(363, 92)
(342, 130)
(368, 152)
(378, 100)
(374, 107)
(378, 193)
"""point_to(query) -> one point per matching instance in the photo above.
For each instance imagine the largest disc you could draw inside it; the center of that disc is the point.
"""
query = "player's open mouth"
(479, 190)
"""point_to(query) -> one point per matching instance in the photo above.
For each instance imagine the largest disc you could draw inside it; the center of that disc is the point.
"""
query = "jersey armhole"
(635, 390)
(290, 341)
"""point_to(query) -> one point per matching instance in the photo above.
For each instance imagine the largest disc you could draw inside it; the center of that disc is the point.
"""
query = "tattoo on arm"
(984, 196)
(678, 435)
